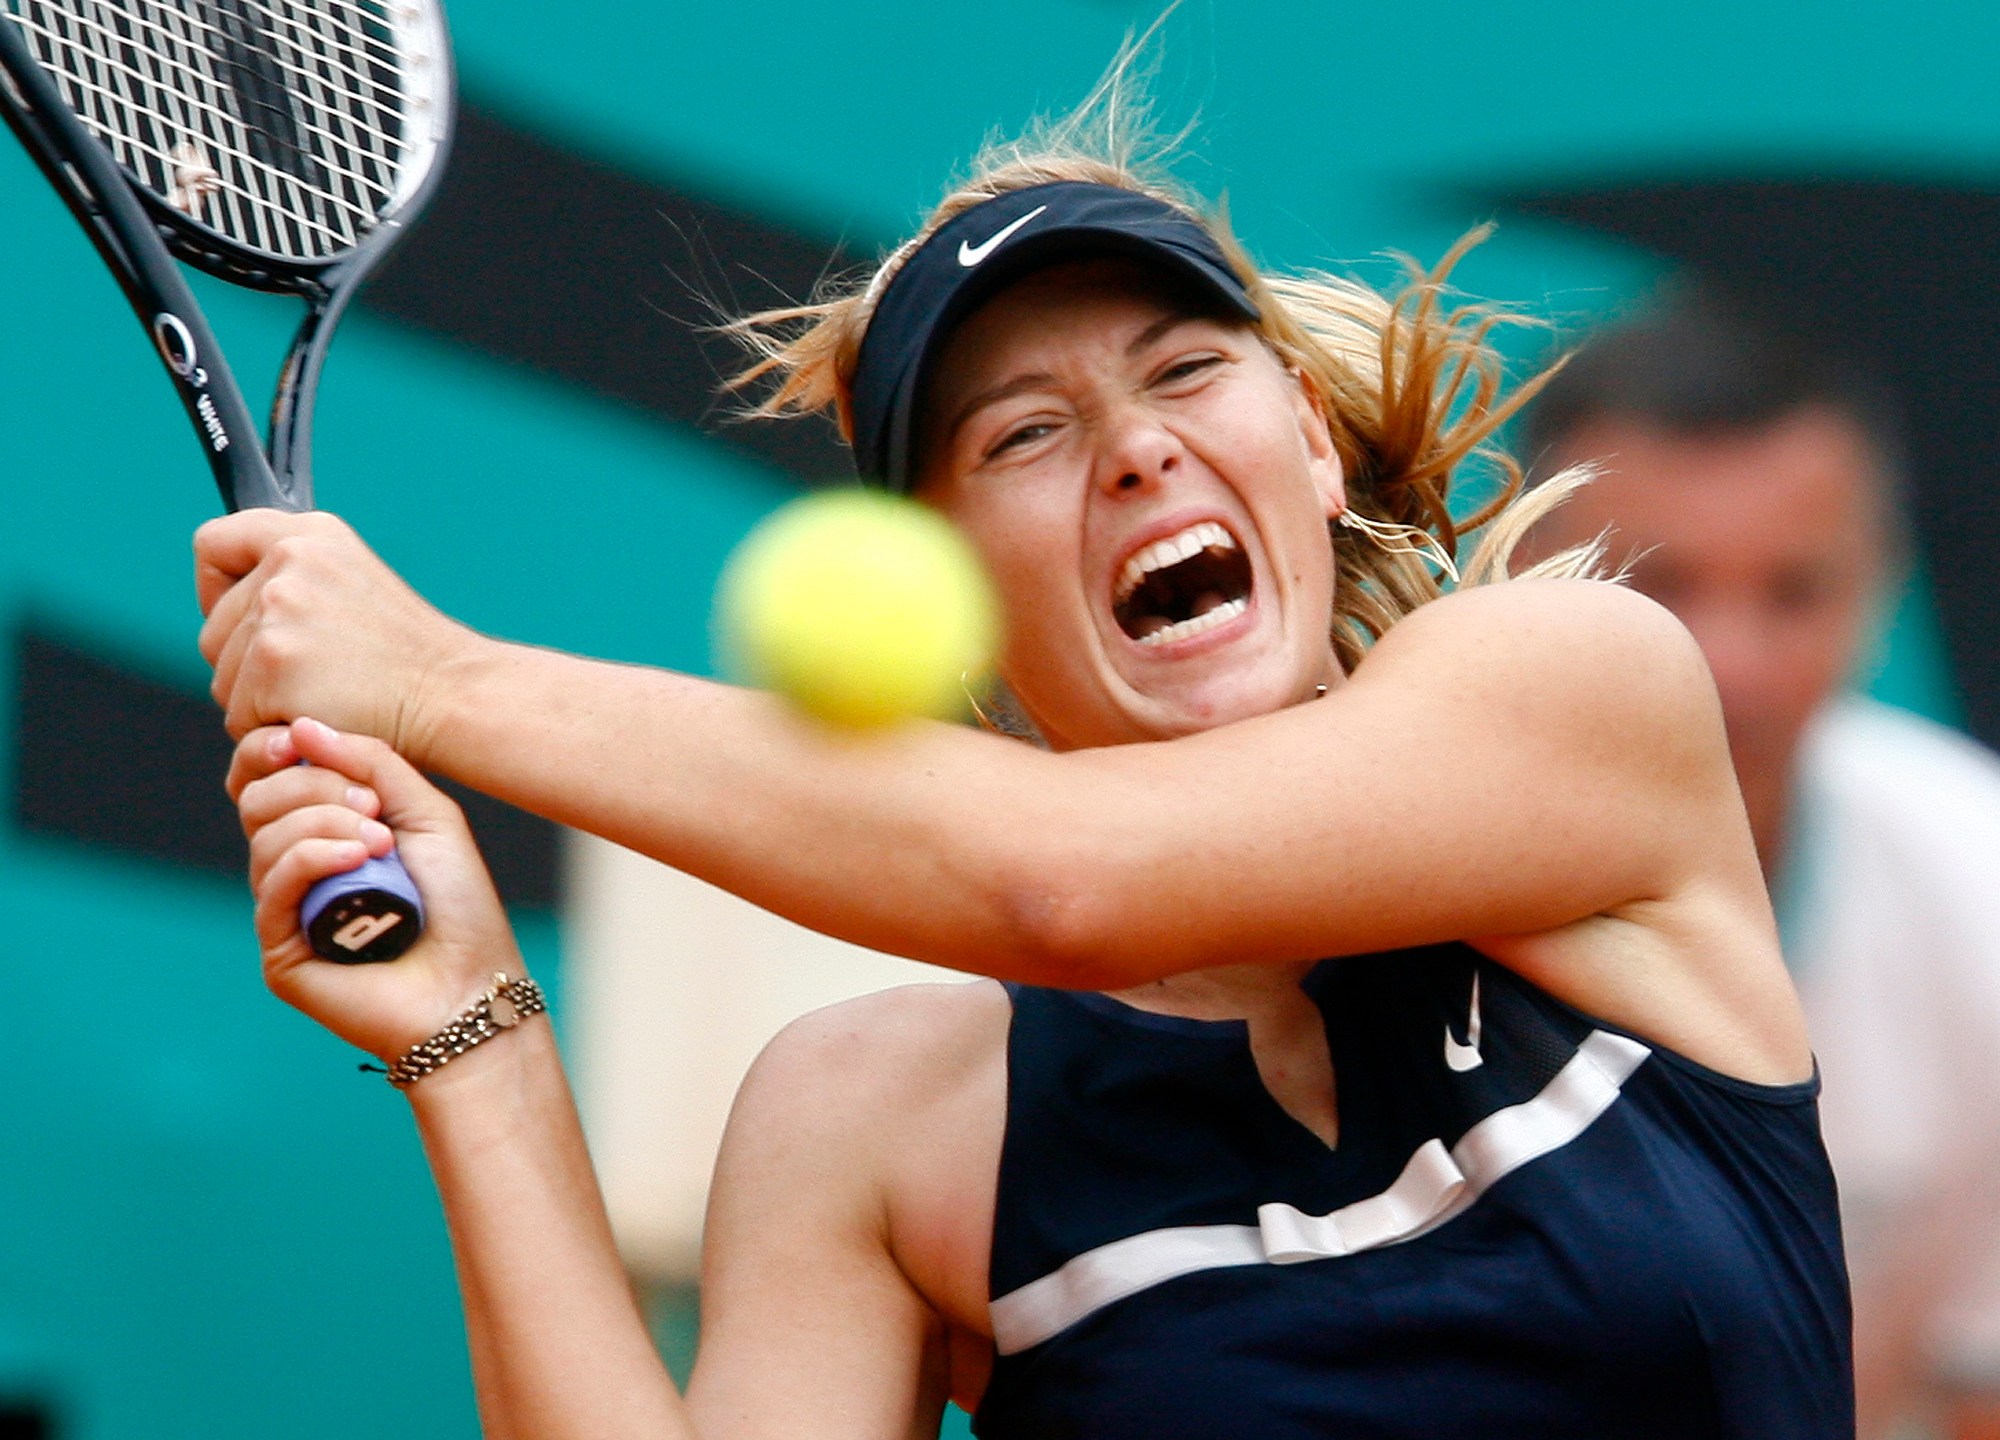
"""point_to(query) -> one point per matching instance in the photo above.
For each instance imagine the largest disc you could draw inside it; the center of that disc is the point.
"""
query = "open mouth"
(1183, 585)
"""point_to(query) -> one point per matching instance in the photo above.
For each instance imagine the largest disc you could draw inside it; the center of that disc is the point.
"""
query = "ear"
(1322, 456)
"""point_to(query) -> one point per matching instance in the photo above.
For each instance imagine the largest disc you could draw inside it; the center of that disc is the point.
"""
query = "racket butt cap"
(371, 913)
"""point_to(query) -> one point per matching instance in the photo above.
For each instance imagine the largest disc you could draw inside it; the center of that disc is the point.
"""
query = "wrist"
(494, 1094)
(507, 1003)
(452, 685)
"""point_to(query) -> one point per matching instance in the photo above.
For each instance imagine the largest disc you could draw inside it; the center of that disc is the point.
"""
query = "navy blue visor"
(979, 252)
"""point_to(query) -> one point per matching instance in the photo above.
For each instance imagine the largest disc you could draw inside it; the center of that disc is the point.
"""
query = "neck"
(1287, 1036)
(1221, 992)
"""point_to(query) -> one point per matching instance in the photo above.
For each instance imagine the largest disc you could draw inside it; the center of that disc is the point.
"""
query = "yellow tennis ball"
(860, 607)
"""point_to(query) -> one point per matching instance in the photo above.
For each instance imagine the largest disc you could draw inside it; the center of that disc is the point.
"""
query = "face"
(1151, 490)
(1768, 544)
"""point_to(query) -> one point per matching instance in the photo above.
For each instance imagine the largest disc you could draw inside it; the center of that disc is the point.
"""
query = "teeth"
(1196, 624)
(1171, 551)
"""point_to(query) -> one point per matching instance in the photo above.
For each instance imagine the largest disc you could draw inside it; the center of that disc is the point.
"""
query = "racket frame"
(138, 235)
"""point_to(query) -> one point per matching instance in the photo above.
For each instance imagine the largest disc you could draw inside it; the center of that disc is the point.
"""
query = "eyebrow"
(1007, 389)
(1158, 328)
(1003, 391)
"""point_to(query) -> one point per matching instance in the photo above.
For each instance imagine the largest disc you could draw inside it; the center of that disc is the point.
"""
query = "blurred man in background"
(1753, 489)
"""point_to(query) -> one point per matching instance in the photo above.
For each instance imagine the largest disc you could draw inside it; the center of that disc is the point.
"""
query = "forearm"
(1278, 837)
(836, 831)
(558, 1344)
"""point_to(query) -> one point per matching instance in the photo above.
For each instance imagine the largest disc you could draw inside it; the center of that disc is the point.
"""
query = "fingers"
(406, 799)
(261, 752)
(267, 789)
(298, 838)
(228, 553)
(302, 618)
(308, 821)
(235, 560)
(267, 778)
(288, 854)
(248, 662)
(315, 810)
(230, 547)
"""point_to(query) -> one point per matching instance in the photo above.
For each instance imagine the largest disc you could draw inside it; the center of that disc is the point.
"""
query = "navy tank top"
(1534, 1225)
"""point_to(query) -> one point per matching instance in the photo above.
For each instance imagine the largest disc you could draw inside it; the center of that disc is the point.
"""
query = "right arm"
(810, 1331)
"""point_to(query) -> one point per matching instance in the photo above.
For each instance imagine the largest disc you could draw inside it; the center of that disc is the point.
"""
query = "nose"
(1138, 452)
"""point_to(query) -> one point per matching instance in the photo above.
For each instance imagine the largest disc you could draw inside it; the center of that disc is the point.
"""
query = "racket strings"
(281, 124)
(273, 133)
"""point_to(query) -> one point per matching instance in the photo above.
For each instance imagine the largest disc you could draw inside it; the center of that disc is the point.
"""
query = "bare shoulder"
(883, 1036)
(874, 1061)
(1555, 623)
(871, 1130)
(1586, 656)
(840, 1266)
(1601, 686)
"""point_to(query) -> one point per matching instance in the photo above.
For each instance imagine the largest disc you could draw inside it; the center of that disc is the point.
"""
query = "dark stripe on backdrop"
(111, 757)
(1902, 276)
(547, 259)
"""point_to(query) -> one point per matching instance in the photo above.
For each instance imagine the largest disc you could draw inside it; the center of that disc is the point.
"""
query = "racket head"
(272, 142)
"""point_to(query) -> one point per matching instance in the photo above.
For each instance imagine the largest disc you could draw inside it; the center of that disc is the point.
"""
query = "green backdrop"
(210, 1225)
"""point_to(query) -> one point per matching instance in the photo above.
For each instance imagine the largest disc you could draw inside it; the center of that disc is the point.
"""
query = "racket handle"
(371, 913)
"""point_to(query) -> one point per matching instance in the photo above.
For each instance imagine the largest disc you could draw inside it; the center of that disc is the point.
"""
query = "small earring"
(998, 714)
(1319, 692)
(986, 722)
(1395, 539)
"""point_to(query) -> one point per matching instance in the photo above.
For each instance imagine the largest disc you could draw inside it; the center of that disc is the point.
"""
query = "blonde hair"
(1410, 384)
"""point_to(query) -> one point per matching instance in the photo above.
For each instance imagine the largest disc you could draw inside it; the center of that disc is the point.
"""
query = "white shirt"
(1893, 935)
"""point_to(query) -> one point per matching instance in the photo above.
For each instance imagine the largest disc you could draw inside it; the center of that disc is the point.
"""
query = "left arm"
(1512, 761)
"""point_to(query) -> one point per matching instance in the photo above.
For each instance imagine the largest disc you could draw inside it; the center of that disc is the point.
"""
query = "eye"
(1186, 368)
(1019, 436)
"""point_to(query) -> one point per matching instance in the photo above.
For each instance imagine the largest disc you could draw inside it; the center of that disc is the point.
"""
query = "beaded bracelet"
(500, 1009)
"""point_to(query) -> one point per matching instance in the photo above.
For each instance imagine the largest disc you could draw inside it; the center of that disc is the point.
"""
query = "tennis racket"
(283, 145)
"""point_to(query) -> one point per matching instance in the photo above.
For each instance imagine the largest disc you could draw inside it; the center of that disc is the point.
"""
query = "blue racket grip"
(370, 913)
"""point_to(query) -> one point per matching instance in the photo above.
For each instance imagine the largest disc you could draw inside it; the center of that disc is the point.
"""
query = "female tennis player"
(1395, 1041)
